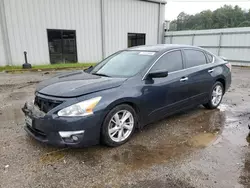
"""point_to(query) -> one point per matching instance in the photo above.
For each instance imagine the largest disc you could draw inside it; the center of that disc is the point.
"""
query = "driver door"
(169, 94)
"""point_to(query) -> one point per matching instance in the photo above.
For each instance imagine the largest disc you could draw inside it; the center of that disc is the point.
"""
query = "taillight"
(229, 66)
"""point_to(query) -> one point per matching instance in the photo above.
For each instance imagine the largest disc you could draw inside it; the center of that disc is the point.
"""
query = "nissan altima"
(125, 91)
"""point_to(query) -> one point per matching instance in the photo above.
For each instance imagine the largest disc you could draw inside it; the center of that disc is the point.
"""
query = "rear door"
(199, 76)
(166, 95)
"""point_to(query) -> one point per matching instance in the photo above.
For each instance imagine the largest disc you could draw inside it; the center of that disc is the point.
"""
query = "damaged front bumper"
(61, 131)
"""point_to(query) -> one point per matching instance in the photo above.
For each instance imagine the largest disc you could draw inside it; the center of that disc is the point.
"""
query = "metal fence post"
(103, 30)
(171, 39)
(193, 39)
(220, 41)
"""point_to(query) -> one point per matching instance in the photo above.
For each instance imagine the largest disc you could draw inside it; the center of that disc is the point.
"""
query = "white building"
(76, 30)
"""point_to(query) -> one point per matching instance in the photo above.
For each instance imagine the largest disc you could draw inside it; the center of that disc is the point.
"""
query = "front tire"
(215, 96)
(119, 125)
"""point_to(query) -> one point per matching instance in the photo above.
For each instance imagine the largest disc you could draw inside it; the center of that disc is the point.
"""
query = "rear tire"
(215, 96)
(118, 125)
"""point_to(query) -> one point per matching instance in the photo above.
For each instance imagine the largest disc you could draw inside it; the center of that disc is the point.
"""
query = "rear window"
(209, 58)
(194, 58)
(171, 62)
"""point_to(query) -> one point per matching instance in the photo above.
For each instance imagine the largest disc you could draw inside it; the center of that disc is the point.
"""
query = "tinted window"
(209, 58)
(136, 39)
(62, 46)
(171, 62)
(194, 58)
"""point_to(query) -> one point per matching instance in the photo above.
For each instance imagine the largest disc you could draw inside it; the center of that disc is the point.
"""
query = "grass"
(48, 67)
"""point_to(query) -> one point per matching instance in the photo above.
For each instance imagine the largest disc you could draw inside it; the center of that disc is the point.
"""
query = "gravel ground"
(198, 148)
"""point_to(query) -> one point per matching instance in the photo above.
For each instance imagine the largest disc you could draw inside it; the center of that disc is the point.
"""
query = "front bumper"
(46, 128)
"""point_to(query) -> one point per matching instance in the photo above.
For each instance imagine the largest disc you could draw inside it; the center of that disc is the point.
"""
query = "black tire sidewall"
(104, 132)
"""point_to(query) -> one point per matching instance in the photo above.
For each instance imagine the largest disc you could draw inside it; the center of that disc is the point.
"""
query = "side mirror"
(158, 74)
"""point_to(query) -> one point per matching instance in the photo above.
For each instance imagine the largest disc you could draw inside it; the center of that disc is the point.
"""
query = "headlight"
(83, 108)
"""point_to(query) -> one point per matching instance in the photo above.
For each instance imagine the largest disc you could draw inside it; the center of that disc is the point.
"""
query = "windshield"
(123, 64)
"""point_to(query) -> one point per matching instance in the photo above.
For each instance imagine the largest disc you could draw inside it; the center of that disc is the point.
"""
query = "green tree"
(224, 17)
(244, 24)
(182, 20)
(173, 25)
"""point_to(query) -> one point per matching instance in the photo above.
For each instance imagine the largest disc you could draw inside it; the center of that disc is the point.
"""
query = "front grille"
(46, 105)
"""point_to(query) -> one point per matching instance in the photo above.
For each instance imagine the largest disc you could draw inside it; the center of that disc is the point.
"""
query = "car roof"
(161, 47)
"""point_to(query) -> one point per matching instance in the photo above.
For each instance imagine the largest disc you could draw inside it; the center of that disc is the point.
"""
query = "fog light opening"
(74, 138)
(69, 134)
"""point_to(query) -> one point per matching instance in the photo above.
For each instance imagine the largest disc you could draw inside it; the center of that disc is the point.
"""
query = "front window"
(123, 64)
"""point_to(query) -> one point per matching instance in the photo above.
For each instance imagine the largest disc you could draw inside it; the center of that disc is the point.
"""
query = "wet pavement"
(198, 148)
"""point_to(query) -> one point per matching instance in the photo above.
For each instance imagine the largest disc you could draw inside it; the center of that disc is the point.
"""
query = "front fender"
(132, 102)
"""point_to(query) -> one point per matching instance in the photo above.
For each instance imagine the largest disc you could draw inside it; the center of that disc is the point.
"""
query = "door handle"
(183, 79)
(211, 70)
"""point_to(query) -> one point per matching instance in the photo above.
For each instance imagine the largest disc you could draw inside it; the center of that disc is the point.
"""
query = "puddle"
(139, 156)
(202, 139)
(223, 107)
(52, 157)
(173, 138)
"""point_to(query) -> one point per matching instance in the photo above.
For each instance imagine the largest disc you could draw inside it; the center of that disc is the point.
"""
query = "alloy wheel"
(217, 95)
(121, 126)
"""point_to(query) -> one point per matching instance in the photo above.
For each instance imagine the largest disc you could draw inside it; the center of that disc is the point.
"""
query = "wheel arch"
(223, 82)
(129, 101)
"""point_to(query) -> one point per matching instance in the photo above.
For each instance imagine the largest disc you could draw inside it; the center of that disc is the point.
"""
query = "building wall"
(161, 24)
(3, 60)
(130, 16)
(3, 57)
(28, 21)
(231, 43)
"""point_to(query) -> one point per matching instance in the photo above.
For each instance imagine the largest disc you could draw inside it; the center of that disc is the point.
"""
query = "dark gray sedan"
(127, 90)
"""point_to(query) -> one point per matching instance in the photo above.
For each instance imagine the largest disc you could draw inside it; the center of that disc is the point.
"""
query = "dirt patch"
(16, 115)
(163, 182)
(17, 96)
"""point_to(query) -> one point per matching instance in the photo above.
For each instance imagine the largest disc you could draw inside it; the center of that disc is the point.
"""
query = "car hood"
(76, 83)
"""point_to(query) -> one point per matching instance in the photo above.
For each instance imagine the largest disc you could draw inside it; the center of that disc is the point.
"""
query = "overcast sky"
(174, 7)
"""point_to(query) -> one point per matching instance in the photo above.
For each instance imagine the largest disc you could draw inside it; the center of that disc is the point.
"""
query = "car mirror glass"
(158, 74)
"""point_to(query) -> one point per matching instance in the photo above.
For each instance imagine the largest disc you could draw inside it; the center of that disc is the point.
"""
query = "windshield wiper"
(99, 74)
